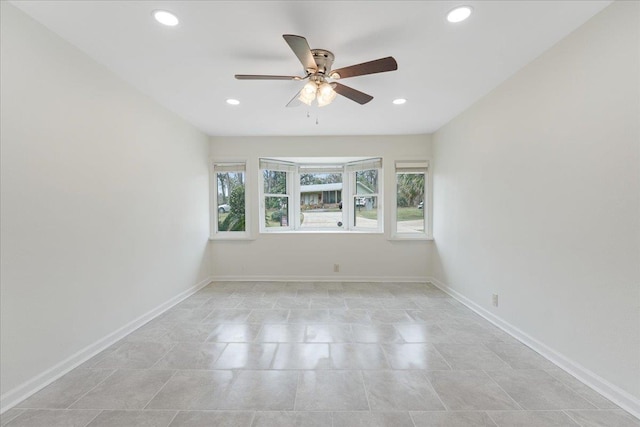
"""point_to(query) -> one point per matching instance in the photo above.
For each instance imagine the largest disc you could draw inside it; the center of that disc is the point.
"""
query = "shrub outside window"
(229, 201)
(275, 205)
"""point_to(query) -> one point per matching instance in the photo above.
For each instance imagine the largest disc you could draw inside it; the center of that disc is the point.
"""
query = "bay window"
(326, 195)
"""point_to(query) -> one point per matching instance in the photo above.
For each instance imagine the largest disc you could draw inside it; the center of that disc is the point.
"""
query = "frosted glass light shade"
(308, 93)
(326, 94)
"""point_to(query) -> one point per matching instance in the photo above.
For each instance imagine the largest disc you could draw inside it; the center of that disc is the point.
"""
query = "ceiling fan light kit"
(319, 90)
(317, 65)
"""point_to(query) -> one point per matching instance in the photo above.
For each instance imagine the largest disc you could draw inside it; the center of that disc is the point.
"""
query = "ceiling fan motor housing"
(324, 61)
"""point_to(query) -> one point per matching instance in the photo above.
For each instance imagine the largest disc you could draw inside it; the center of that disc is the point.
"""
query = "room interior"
(527, 115)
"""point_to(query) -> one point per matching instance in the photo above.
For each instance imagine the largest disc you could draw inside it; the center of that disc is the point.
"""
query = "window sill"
(224, 237)
(266, 233)
(411, 237)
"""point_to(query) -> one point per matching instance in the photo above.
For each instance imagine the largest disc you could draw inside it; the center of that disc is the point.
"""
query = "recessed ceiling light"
(459, 14)
(399, 101)
(166, 18)
(232, 101)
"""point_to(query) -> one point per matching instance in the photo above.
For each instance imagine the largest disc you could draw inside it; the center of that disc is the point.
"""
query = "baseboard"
(336, 278)
(610, 391)
(26, 389)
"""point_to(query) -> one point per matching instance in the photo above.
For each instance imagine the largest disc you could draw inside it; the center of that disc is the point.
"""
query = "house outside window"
(340, 196)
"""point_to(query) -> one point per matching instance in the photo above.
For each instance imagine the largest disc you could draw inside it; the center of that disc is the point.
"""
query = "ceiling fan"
(317, 67)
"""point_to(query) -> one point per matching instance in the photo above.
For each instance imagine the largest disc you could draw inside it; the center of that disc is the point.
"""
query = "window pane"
(410, 206)
(365, 212)
(367, 182)
(320, 200)
(231, 204)
(276, 211)
(275, 182)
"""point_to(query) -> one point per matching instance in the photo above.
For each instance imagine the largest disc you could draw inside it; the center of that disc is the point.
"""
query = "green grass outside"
(403, 214)
(409, 214)
(371, 214)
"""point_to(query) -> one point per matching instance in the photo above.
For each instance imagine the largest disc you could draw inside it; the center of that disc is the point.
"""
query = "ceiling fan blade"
(377, 66)
(266, 77)
(354, 95)
(300, 47)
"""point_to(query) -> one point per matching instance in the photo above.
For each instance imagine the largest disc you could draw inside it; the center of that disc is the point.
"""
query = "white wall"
(537, 198)
(309, 256)
(104, 203)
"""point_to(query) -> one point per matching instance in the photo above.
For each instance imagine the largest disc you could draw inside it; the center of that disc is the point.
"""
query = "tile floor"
(318, 354)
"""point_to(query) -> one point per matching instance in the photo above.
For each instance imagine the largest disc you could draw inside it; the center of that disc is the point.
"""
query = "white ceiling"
(443, 68)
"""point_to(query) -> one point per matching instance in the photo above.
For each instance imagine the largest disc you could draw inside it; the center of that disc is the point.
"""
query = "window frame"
(352, 168)
(348, 171)
(219, 166)
(318, 169)
(412, 166)
(280, 166)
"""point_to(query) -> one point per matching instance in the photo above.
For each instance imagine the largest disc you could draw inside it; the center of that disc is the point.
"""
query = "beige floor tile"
(211, 418)
(400, 391)
(191, 356)
(328, 333)
(532, 419)
(133, 419)
(453, 419)
(584, 391)
(604, 418)
(9, 415)
(134, 355)
(331, 390)
(268, 316)
(228, 390)
(234, 332)
(376, 334)
(303, 356)
(125, 389)
(311, 354)
(287, 333)
(415, 356)
(63, 392)
(423, 333)
(535, 389)
(292, 419)
(470, 391)
(53, 418)
(372, 419)
(228, 315)
(470, 356)
(247, 356)
(519, 356)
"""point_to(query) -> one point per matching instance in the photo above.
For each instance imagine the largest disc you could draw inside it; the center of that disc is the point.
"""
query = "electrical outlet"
(494, 300)
(336, 268)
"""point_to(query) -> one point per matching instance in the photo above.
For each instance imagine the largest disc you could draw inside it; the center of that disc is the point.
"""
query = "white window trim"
(348, 171)
(329, 168)
(214, 234)
(378, 194)
(289, 168)
(408, 166)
